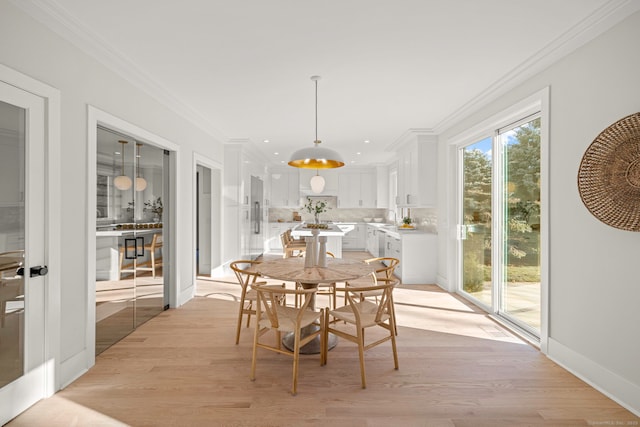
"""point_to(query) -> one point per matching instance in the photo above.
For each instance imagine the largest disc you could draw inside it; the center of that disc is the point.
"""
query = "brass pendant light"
(316, 157)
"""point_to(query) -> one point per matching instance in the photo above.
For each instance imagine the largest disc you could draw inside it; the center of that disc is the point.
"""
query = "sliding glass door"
(131, 251)
(519, 298)
(477, 220)
(500, 223)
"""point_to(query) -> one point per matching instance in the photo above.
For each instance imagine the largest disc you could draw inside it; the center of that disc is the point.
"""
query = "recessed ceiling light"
(353, 161)
(276, 153)
(265, 141)
(358, 153)
(366, 141)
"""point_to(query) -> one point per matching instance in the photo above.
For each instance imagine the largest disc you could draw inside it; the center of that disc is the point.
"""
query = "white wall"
(594, 287)
(30, 48)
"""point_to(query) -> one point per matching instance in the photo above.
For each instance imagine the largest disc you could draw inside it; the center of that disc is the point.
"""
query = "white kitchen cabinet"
(393, 248)
(357, 189)
(417, 172)
(418, 255)
(373, 240)
(285, 188)
(356, 239)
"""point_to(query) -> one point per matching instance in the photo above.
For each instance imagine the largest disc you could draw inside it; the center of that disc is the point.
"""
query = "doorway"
(208, 217)
(132, 261)
(500, 215)
(26, 291)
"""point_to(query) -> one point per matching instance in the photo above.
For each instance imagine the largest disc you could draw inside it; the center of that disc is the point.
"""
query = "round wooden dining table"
(293, 270)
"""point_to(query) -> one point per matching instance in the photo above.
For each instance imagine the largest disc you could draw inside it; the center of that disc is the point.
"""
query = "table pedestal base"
(313, 346)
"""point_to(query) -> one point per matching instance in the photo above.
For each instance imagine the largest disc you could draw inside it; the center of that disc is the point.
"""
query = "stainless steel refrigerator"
(256, 240)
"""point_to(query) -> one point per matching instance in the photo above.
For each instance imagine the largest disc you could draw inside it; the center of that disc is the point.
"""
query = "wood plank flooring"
(457, 368)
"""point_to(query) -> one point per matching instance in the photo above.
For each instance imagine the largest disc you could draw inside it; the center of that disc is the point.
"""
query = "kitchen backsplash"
(424, 218)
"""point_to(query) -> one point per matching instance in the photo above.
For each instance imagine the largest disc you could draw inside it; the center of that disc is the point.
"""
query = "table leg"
(313, 346)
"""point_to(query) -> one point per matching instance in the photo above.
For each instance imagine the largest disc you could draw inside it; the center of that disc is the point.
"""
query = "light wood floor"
(457, 368)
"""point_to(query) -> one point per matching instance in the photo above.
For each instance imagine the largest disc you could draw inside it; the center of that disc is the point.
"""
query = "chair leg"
(153, 264)
(324, 317)
(296, 357)
(254, 354)
(361, 355)
(393, 333)
(393, 315)
(239, 321)
(248, 313)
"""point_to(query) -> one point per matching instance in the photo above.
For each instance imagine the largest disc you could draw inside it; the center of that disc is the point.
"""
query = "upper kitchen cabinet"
(242, 165)
(417, 170)
(330, 181)
(284, 184)
(357, 188)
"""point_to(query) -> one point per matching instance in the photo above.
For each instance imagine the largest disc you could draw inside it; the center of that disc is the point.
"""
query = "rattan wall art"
(609, 175)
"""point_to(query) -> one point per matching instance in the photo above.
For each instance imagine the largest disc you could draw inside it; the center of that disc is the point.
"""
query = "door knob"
(40, 270)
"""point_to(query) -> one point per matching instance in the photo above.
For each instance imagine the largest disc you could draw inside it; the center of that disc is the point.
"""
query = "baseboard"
(608, 383)
(186, 295)
(72, 369)
(443, 283)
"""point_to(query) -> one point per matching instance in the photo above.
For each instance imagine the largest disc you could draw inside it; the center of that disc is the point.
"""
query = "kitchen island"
(333, 233)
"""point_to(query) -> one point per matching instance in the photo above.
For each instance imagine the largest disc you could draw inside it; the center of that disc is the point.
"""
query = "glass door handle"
(140, 249)
(130, 248)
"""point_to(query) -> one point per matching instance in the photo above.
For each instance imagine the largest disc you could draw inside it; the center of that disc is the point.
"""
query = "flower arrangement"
(316, 208)
(406, 222)
(154, 206)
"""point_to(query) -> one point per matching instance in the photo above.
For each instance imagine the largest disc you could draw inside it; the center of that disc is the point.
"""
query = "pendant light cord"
(316, 140)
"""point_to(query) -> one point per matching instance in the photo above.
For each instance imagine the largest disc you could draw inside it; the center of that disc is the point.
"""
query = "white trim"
(538, 101)
(612, 385)
(51, 97)
(97, 117)
(201, 160)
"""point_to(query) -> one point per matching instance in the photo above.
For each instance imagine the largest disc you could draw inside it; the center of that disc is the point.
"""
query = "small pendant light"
(122, 182)
(141, 183)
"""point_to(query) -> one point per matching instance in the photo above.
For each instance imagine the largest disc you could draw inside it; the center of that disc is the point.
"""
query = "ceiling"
(243, 67)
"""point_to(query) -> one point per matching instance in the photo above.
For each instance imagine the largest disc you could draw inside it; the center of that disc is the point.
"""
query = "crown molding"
(410, 135)
(55, 17)
(51, 14)
(607, 16)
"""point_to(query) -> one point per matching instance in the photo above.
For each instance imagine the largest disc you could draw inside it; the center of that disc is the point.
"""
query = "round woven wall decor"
(609, 175)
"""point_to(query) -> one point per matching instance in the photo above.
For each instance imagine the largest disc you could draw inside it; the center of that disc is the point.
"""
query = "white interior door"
(22, 251)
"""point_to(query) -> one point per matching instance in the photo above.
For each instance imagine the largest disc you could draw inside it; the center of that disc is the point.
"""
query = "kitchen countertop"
(333, 230)
(397, 232)
(123, 232)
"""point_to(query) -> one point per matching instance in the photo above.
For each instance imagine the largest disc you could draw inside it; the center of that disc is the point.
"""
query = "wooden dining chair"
(246, 277)
(383, 271)
(290, 245)
(272, 315)
(363, 314)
